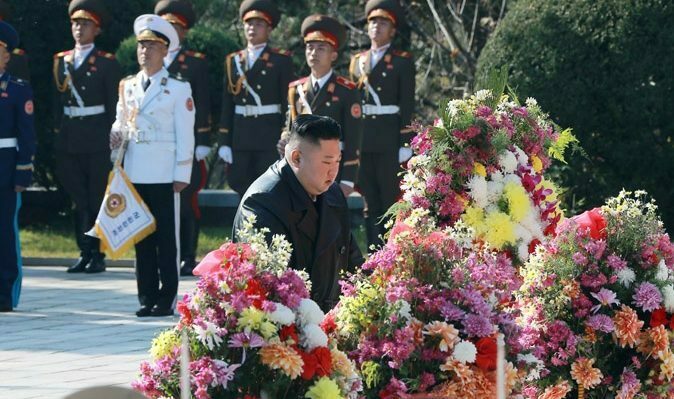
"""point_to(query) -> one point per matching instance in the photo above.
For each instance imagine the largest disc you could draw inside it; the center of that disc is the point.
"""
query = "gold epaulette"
(298, 82)
(18, 51)
(195, 54)
(62, 53)
(280, 51)
(105, 54)
(400, 53)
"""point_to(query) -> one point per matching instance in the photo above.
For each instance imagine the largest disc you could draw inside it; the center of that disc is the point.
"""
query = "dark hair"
(312, 128)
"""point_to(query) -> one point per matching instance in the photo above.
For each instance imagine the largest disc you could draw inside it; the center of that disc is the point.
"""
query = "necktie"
(146, 84)
(316, 87)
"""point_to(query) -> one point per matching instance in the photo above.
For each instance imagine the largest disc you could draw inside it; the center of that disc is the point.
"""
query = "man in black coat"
(297, 197)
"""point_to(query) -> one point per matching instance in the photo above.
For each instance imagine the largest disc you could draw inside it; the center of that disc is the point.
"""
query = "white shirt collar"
(321, 81)
(377, 54)
(152, 78)
(81, 53)
(254, 53)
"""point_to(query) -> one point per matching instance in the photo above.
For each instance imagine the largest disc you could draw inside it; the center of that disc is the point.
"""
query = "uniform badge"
(270, 64)
(4, 95)
(28, 107)
(189, 104)
(389, 66)
(335, 98)
(356, 112)
(114, 205)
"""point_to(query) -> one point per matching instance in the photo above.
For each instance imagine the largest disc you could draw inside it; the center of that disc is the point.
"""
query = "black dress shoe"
(96, 265)
(144, 311)
(80, 266)
(187, 266)
(161, 311)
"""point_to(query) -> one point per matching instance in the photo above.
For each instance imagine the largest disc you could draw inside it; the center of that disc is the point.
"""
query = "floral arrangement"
(253, 331)
(422, 316)
(483, 162)
(597, 303)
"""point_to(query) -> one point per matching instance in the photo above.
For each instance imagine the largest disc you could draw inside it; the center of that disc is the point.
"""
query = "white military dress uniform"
(159, 123)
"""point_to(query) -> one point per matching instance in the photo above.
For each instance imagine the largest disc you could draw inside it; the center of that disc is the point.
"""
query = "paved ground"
(72, 331)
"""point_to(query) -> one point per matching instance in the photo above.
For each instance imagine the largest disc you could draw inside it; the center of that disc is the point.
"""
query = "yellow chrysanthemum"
(267, 329)
(284, 358)
(479, 169)
(536, 163)
(324, 388)
(251, 318)
(499, 230)
(518, 201)
(164, 344)
(474, 217)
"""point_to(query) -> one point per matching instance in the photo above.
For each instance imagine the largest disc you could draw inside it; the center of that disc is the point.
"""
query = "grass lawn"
(55, 240)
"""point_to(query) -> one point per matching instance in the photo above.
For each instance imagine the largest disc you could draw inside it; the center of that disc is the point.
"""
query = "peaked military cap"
(5, 11)
(152, 27)
(263, 9)
(389, 9)
(321, 28)
(93, 10)
(8, 36)
(178, 12)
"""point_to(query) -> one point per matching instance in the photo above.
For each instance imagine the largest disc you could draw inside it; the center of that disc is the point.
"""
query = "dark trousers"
(248, 166)
(157, 255)
(189, 212)
(84, 177)
(9, 266)
(380, 185)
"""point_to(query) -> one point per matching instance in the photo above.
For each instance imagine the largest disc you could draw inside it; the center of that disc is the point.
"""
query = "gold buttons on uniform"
(327, 104)
(258, 87)
(383, 74)
(264, 72)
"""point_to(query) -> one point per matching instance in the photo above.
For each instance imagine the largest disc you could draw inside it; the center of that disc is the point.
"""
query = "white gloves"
(225, 152)
(404, 153)
(201, 152)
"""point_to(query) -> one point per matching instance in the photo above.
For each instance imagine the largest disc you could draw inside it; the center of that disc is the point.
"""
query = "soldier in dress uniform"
(18, 63)
(86, 93)
(386, 80)
(156, 111)
(255, 97)
(192, 67)
(325, 93)
(17, 147)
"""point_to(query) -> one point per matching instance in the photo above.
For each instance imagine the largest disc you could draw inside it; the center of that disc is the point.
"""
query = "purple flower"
(647, 297)
(246, 340)
(477, 326)
(615, 263)
(606, 298)
(600, 322)
(579, 259)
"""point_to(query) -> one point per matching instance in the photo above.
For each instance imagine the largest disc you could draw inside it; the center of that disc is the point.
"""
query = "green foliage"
(602, 68)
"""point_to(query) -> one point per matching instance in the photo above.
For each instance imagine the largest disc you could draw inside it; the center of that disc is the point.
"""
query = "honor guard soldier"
(156, 113)
(18, 63)
(255, 98)
(17, 146)
(325, 93)
(86, 88)
(190, 66)
(386, 80)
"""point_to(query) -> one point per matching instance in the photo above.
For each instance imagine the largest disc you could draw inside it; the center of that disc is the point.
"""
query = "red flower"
(486, 353)
(289, 332)
(324, 360)
(533, 244)
(593, 221)
(328, 324)
(310, 365)
(185, 313)
(255, 291)
(671, 323)
(658, 318)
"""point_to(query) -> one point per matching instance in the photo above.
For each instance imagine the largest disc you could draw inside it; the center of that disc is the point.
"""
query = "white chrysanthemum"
(494, 190)
(497, 176)
(626, 277)
(508, 162)
(663, 271)
(309, 312)
(512, 178)
(522, 157)
(668, 294)
(465, 352)
(523, 251)
(283, 315)
(312, 337)
(405, 310)
(209, 335)
(532, 223)
(477, 188)
(531, 102)
(483, 95)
